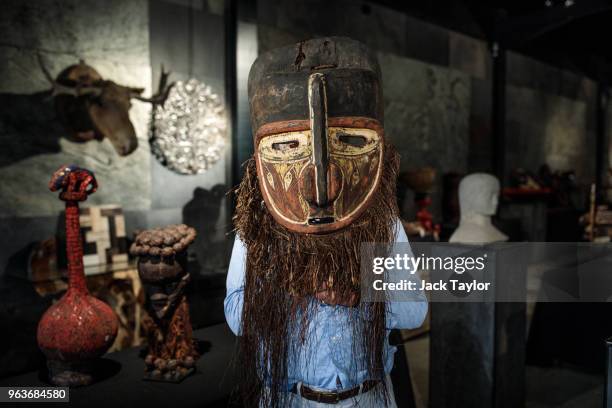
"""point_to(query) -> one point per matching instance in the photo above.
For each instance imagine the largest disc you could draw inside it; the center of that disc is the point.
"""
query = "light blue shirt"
(327, 355)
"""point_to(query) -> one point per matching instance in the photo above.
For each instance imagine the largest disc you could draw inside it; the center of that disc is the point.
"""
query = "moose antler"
(93, 90)
(163, 90)
(60, 89)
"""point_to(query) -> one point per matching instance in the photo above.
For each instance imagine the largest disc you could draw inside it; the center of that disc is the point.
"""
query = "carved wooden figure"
(162, 253)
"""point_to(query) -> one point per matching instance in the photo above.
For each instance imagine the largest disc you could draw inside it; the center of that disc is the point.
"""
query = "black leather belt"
(333, 397)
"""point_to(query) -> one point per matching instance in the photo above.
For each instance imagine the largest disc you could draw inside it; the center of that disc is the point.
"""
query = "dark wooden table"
(123, 386)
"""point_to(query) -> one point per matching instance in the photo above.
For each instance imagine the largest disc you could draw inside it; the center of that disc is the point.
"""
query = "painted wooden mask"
(316, 112)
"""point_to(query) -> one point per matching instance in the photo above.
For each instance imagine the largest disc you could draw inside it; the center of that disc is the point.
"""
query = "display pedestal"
(477, 356)
(119, 380)
(528, 207)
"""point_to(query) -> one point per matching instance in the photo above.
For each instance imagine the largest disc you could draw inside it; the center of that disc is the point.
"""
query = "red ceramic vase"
(78, 328)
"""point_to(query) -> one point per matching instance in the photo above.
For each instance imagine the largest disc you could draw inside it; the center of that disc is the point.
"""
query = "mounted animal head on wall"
(91, 107)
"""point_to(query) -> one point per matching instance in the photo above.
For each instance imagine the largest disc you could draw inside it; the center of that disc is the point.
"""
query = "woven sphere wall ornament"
(188, 134)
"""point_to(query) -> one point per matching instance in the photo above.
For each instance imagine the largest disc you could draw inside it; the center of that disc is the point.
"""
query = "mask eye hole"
(353, 140)
(282, 146)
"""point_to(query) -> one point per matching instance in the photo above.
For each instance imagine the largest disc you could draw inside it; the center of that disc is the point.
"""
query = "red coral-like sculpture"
(78, 328)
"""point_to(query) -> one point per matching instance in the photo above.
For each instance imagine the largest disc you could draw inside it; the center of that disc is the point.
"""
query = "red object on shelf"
(78, 328)
(424, 217)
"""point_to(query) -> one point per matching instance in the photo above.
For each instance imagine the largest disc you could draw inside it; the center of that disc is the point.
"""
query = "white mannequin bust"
(478, 197)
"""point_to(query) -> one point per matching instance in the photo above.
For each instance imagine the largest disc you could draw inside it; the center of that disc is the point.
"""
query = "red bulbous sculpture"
(78, 328)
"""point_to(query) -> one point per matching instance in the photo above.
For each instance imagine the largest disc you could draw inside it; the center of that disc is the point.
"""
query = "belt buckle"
(334, 396)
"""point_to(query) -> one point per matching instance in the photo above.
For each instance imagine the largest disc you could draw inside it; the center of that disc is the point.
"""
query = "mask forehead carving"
(319, 140)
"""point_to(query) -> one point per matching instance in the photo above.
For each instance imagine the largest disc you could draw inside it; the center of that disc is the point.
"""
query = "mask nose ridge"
(309, 181)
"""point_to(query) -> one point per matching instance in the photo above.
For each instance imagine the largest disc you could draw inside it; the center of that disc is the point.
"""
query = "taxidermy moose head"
(91, 107)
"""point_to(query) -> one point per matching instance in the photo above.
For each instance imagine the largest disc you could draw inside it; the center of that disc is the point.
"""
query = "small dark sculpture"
(162, 253)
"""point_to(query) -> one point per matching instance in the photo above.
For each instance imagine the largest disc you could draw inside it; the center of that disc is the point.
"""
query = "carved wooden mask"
(316, 109)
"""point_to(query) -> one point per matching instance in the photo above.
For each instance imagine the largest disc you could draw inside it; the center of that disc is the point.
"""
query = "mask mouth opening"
(320, 220)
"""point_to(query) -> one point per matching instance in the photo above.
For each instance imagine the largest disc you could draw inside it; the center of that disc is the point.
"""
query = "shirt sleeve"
(407, 313)
(234, 297)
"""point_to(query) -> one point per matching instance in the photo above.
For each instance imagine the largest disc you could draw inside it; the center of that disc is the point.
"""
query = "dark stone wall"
(550, 118)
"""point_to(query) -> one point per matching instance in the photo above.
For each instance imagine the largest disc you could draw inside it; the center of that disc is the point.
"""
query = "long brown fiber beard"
(285, 269)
